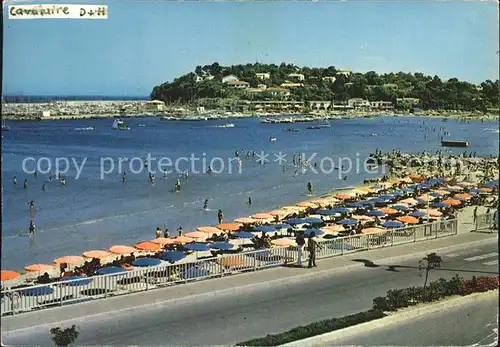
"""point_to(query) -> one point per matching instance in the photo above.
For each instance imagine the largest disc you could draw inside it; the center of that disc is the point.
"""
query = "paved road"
(253, 313)
(473, 323)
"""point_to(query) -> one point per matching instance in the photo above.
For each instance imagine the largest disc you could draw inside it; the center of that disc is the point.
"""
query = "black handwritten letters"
(38, 11)
(97, 12)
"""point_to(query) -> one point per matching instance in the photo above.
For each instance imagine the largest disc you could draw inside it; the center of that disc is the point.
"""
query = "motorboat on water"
(320, 126)
(118, 124)
(226, 125)
(272, 139)
(5, 127)
(295, 130)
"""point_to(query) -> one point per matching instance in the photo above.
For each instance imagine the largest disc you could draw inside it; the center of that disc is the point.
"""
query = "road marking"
(481, 257)
(459, 254)
(494, 262)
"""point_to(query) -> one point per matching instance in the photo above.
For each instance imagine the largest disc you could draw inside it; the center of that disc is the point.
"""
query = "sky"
(146, 43)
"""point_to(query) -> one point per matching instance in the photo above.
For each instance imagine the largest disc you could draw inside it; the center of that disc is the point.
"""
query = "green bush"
(314, 329)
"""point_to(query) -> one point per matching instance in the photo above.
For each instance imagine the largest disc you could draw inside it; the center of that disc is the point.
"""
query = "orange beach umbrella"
(8, 275)
(196, 235)
(452, 202)
(306, 204)
(163, 241)
(388, 210)
(69, 259)
(464, 196)
(229, 226)
(408, 219)
(321, 202)
(343, 196)
(279, 213)
(122, 249)
(262, 216)
(182, 240)
(208, 230)
(372, 231)
(245, 220)
(432, 212)
(39, 267)
(486, 190)
(283, 242)
(148, 246)
(98, 254)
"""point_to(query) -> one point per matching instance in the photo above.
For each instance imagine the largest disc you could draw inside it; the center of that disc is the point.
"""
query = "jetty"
(455, 143)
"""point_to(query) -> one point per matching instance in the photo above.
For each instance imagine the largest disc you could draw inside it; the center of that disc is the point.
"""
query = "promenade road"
(471, 323)
(339, 286)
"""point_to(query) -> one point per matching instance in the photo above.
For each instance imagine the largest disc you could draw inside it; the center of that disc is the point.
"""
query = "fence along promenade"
(487, 222)
(15, 301)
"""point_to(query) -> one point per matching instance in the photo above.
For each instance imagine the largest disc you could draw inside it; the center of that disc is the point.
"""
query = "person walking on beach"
(301, 241)
(312, 245)
(309, 188)
(220, 216)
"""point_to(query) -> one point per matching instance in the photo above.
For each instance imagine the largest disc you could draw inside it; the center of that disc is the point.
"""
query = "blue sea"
(94, 212)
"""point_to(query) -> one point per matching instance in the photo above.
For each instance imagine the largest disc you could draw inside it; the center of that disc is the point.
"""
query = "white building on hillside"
(296, 76)
(358, 103)
(329, 79)
(239, 84)
(229, 78)
(263, 75)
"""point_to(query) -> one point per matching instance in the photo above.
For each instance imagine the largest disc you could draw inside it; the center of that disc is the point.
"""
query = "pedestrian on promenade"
(312, 246)
(475, 214)
(301, 241)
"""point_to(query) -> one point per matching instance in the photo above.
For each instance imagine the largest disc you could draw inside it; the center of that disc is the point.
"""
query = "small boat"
(142, 125)
(227, 125)
(320, 126)
(295, 130)
(454, 143)
(118, 124)
(272, 139)
(5, 127)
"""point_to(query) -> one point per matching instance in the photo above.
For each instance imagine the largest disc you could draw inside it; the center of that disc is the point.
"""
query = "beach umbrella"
(69, 259)
(194, 273)
(409, 201)
(108, 270)
(343, 196)
(222, 245)
(431, 212)
(486, 190)
(181, 240)
(295, 221)
(421, 202)
(294, 208)
(148, 246)
(452, 202)
(341, 210)
(163, 241)
(71, 281)
(172, 256)
(307, 204)
(243, 235)
(440, 205)
(38, 291)
(492, 184)
(146, 262)
(347, 222)
(283, 242)
(198, 247)
(400, 207)
(386, 197)
(39, 267)
(344, 246)
(457, 187)
(463, 196)
(367, 202)
(8, 275)
(326, 212)
(388, 211)
(417, 214)
(317, 232)
(245, 220)
(393, 224)
(399, 193)
(442, 192)
(262, 216)
(435, 195)
(372, 231)
(333, 229)
(97, 254)
(322, 202)
(231, 261)
(196, 235)
(282, 226)
(265, 228)
(361, 217)
(279, 213)
(408, 219)
(426, 198)
(311, 220)
(229, 226)
(208, 230)
(122, 249)
(375, 213)
(354, 204)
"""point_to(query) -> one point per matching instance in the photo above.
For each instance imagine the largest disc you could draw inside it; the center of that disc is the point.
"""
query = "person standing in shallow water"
(205, 204)
(25, 183)
(249, 201)
(309, 188)
(15, 180)
(220, 216)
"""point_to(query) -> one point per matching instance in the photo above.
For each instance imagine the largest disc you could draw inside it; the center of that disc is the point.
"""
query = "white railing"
(487, 222)
(29, 298)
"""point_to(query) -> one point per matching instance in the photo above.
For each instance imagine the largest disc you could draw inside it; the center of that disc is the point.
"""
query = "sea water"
(94, 213)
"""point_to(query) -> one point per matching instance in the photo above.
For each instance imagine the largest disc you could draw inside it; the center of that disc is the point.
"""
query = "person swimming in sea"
(15, 180)
(32, 228)
(205, 204)
(209, 171)
(124, 177)
(43, 187)
(249, 201)
(63, 181)
(25, 183)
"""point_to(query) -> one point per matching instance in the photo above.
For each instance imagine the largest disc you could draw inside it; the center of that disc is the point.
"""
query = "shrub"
(63, 338)
(479, 285)
(314, 329)
(397, 298)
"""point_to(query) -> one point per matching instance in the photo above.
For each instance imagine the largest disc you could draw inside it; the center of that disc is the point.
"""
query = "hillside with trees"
(433, 93)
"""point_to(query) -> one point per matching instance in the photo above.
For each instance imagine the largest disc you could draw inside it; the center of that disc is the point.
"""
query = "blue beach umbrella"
(265, 228)
(399, 193)
(392, 224)
(312, 220)
(421, 202)
(354, 204)
(83, 281)
(326, 212)
(37, 291)
(417, 214)
(198, 247)
(440, 205)
(146, 262)
(316, 232)
(347, 222)
(436, 195)
(344, 246)
(375, 213)
(400, 207)
(172, 256)
(282, 226)
(492, 184)
(243, 235)
(386, 197)
(110, 270)
(295, 221)
(367, 202)
(222, 245)
(341, 210)
(458, 198)
(194, 273)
